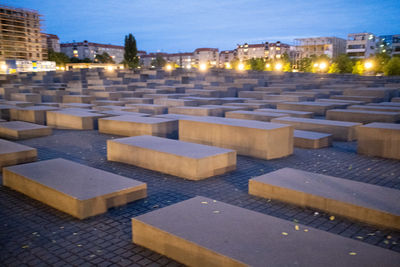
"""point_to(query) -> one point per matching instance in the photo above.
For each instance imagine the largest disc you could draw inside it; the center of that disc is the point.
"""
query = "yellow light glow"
(3, 67)
(168, 67)
(188, 66)
(323, 66)
(62, 68)
(228, 66)
(57, 68)
(368, 65)
(241, 66)
(121, 67)
(268, 65)
(203, 67)
(110, 68)
(278, 66)
(315, 65)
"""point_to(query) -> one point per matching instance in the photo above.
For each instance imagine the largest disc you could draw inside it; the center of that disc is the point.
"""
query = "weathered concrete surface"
(13, 153)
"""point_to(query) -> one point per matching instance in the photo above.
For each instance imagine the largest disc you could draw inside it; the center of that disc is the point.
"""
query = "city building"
(89, 50)
(330, 46)
(52, 42)
(361, 45)
(20, 37)
(248, 51)
(206, 56)
(276, 50)
(146, 60)
(389, 44)
(183, 60)
(226, 57)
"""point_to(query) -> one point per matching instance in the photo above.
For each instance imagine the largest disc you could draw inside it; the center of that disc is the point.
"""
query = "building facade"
(361, 45)
(52, 42)
(276, 50)
(89, 50)
(206, 56)
(20, 36)
(226, 57)
(249, 51)
(389, 44)
(330, 46)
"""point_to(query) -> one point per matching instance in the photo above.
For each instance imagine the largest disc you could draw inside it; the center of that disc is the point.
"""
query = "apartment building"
(183, 60)
(20, 37)
(52, 42)
(206, 56)
(276, 50)
(249, 51)
(361, 45)
(389, 44)
(89, 50)
(330, 46)
(226, 57)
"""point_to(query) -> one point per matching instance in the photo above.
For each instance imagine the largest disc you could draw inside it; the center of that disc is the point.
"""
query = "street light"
(168, 67)
(322, 66)
(110, 68)
(241, 66)
(368, 65)
(278, 66)
(203, 67)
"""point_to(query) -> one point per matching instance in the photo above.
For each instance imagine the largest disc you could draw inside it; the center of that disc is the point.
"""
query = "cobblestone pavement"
(34, 234)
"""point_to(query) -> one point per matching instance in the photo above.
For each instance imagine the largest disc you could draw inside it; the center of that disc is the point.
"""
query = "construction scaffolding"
(20, 34)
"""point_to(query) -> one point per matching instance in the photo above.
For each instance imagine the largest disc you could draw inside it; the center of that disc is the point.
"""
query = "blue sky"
(184, 25)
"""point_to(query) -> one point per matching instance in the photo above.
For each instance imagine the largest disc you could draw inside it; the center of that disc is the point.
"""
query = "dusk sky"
(184, 25)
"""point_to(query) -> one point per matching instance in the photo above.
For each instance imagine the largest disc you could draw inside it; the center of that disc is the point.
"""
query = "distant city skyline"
(184, 25)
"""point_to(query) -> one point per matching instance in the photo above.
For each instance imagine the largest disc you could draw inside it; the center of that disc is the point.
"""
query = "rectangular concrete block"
(362, 116)
(182, 159)
(313, 140)
(13, 153)
(251, 138)
(290, 113)
(340, 130)
(16, 130)
(196, 111)
(34, 114)
(73, 119)
(203, 232)
(253, 115)
(85, 99)
(318, 108)
(360, 201)
(147, 108)
(379, 139)
(127, 125)
(76, 189)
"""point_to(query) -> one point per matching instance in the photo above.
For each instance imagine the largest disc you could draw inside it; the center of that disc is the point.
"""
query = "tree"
(379, 61)
(344, 64)
(358, 68)
(305, 64)
(131, 59)
(392, 67)
(333, 68)
(60, 58)
(256, 64)
(104, 58)
(158, 62)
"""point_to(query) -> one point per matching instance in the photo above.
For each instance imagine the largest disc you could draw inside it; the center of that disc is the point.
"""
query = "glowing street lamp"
(368, 65)
(110, 68)
(188, 66)
(168, 67)
(315, 65)
(241, 66)
(323, 66)
(203, 67)
(228, 66)
(268, 66)
(278, 66)
(4, 67)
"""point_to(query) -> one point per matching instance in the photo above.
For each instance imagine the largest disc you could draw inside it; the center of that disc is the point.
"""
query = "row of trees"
(378, 64)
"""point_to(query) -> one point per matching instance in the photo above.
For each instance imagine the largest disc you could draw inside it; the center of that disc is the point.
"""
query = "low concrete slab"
(318, 108)
(14, 153)
(254, 115)
(86, 99)
(289, 113)
(366, 99)
(147, 108)
(340, 130)
(127, 125)
(196, 111)
(361, 201)
(313, 140)
(73, 119)
(251, 138)
(379, 139)
(182, 159)
(16, 130)
(204, 232)
(363, 116)
(34, 114)
(76, 189)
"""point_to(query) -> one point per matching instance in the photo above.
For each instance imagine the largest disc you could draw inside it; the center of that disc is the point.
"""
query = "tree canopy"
(131, 59)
